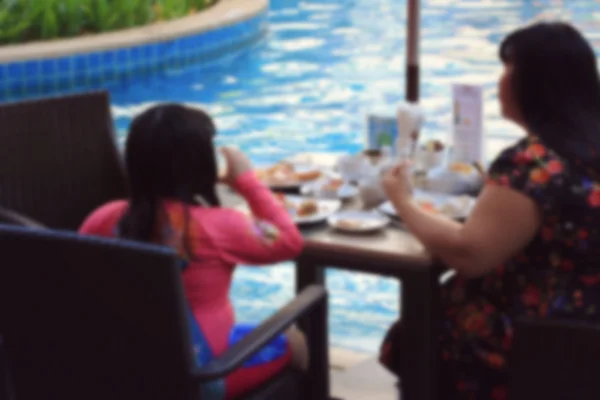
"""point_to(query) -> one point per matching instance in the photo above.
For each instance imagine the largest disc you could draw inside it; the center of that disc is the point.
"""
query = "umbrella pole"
(412, 51)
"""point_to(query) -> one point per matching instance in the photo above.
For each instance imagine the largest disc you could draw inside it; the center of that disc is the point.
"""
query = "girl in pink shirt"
(171, 164)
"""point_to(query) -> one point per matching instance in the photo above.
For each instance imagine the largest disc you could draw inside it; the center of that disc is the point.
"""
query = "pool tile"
(15, 71)
(95, 60)
(31, 69)
(147, 53)
(65, 66)
(136, 55)
(49, 67)
(98, 69)
(110, 74)
(80, 63)
(187, 44)
(122, 56)
(80, 80)
(108, 58)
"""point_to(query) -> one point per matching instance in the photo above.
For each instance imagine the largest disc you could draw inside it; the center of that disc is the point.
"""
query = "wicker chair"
(550, 359)
(10, 217)
(555, 360)
(89, 318)
(6, 390)
(58, 158)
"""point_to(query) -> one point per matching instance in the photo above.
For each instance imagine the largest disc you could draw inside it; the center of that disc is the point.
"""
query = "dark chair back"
(58, 158)
(6, 389)
(86, 318)
(9, 217)
(555, 360)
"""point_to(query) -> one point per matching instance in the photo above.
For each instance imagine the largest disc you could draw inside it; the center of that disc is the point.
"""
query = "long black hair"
(556, 87)
(169, 155)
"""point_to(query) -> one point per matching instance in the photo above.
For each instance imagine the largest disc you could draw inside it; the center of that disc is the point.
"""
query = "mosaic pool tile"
(99, 69)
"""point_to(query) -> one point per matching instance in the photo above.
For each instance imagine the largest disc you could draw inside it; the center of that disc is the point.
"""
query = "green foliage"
(27, 20)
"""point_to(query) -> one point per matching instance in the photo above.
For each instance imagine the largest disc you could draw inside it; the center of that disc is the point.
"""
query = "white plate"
(455, 207)
(345, 192)
(326, 207)
(291, 184)
(283, 186)
(361, 221)
(319, 160)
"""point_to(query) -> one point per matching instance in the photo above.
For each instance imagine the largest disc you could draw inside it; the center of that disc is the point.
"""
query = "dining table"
(392, 252)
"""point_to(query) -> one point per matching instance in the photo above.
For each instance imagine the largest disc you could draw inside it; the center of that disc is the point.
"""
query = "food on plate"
(306, 176)
(307, 208)
(347, 223)
(427, 205)
(434, 145)
(304, 208)
(278, 173)
(285, 173)
(453, 207)
(456, 206)
(332, 185)
(449, 209)
(461, 168)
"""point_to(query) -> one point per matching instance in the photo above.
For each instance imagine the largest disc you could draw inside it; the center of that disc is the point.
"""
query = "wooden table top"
(380, 252)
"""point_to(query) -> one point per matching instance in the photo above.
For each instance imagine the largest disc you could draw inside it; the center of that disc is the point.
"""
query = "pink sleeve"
(103, 221)
(267, 237)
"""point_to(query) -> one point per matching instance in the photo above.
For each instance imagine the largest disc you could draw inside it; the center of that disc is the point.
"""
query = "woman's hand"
(237, 164)
(396, 184)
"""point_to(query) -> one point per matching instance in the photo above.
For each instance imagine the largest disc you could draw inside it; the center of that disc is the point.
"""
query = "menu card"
(467, 117)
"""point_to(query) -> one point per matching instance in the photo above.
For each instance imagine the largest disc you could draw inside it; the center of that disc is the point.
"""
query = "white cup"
(426, 159)
(354, 167)
(371, 192)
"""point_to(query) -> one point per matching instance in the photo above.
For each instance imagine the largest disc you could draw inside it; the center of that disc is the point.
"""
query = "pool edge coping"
(223, 13)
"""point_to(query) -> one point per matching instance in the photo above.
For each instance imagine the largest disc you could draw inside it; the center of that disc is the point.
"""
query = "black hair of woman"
(170, 155)
(555, 90)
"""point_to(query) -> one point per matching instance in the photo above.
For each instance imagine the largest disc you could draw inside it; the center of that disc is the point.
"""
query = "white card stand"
(467, 122)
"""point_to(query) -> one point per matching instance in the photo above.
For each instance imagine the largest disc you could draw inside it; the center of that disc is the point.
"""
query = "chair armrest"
(240, 352)
(447, 276)
(14, 218)
(543, 325)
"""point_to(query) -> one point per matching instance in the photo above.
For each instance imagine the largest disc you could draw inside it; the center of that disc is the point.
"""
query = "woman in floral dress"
(531, 247)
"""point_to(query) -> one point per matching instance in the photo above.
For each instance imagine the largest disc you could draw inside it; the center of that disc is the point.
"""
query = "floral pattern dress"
(556, 275)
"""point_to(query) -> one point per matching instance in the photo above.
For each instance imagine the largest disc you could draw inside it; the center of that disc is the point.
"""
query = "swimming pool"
(307, 87)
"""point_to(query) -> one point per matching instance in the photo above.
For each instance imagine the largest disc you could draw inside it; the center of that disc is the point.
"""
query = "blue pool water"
(307, 87)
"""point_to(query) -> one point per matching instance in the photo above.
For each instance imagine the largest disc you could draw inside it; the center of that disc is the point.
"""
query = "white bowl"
(445, 180)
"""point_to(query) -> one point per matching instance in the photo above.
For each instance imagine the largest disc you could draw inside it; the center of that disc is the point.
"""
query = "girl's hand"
(396, 183)
(237, 164)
